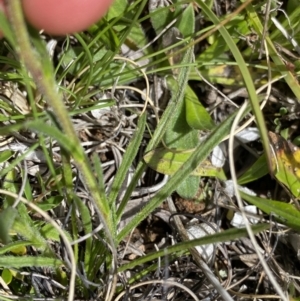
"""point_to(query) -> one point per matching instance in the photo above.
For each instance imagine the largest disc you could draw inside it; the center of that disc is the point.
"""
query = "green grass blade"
(284, 213)
(99, 173)
(29, 261)
(89, 57)
(127, 160)
(88, 228)
(256, 171)
(11, 247)
(227, 235)
(246, 76)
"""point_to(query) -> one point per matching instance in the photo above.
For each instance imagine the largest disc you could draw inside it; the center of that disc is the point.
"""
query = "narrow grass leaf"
(6, 29)
(129, 156)
(89, 57)
(255, 172)
(29, 261)
(5, 155)
(51, 131)
(50, 203)
(283, 212)
(246, 76)
(27, 190)
(99, 174)
(88, 228)
(292, 22)
(134, 16)
(227, 235)
(15, 247)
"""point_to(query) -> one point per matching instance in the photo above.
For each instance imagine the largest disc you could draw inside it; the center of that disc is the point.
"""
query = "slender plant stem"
(47, 87)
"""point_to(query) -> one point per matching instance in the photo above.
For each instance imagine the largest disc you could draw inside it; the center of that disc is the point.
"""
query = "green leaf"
(229, 74)
(6, 29)
(24, 227)
(256, 171)
(51, 131)
(49, 232)
(162, 16)
(292, 5)
(96, 162)
(196, 115)
(188, 188)
(69, 58)
(168, 162)
(214, 53)
(19, 250)
(88, 228)
(129, 156)
(5, 155)
(218, 50)
(50, 203)
(186, 21)
(136, 38)
(15, 247)
(178, 133)
(286, 162)
(10, 185)
(7, 276)
(181, 136)
(7, 218)
(178, 92)
(283, 212)
(29, 261)
(118, 8)
(27, 189)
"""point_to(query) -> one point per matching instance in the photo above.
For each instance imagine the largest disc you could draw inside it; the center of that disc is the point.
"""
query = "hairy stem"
(47, 87)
